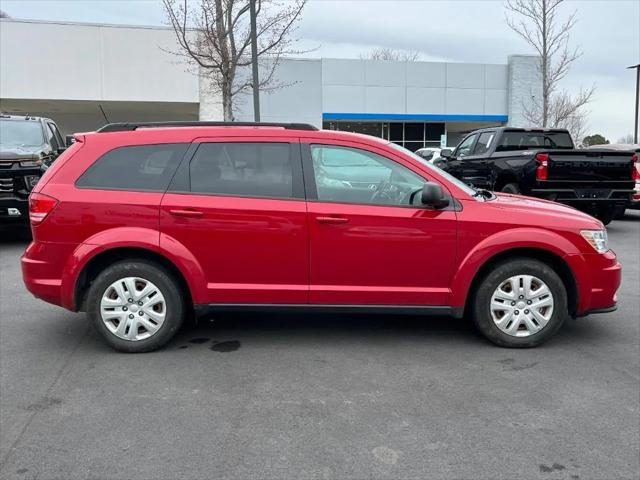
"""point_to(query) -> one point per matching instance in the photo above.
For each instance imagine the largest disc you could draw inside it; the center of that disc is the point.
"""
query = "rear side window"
(135, 168)
(484, 143)
(243, 169)
(513, 141)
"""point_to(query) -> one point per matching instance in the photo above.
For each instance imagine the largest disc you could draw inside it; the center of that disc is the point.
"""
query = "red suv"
(141, 224)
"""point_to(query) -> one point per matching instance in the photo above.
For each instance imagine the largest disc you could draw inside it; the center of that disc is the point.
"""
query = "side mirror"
(446, 153)
(69, 140)
(440, 163)
(433, 196)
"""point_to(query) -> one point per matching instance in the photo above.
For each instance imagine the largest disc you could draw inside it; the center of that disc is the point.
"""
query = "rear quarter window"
(135, 168)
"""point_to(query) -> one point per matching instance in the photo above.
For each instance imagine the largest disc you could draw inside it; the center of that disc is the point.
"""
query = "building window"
(411, 135)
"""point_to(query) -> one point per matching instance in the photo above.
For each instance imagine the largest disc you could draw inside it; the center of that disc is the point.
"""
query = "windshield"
(20, 133)
(461, 185)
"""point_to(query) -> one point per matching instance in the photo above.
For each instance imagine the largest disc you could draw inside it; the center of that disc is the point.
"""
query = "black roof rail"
(130, 126)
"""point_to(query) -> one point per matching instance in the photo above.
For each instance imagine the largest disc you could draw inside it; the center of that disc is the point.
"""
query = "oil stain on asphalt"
(222, 347)
(225, 347)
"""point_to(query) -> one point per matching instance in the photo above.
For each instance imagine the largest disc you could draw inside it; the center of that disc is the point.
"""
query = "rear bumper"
(581, 197)
(14, 210)
(42, 270)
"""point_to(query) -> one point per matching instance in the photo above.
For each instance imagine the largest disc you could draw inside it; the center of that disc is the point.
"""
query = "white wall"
(92, 62)
(373, 86)
(525, 81)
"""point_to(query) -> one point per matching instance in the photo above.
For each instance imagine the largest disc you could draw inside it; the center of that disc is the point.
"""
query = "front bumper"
(598, 283)
(14, 210)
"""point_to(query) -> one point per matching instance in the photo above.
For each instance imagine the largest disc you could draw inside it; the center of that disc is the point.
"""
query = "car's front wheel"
(520, 303)
(135, 305)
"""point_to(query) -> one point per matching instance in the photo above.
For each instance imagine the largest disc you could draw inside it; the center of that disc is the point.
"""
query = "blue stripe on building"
(413, 117)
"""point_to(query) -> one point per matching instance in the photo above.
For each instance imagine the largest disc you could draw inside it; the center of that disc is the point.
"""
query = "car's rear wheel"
(520, 303)
(619, 212)
(605, 215)
(135, 305)
(511, 188)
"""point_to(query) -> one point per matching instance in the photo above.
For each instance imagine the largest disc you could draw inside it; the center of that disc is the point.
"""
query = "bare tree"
(537, 22)
(389, 54)
(215, 35)
(627, 139)
(567, 112)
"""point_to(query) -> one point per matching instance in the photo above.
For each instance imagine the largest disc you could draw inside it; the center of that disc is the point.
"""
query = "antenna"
(103, 114)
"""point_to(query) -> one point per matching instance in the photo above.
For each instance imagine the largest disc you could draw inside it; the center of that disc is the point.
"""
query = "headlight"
(597, 239)
(31, 163)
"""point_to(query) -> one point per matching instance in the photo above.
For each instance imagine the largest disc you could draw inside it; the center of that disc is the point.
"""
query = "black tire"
(520, 266)
(606, 216)
(175, 309)
(619, 212)
(511, 188)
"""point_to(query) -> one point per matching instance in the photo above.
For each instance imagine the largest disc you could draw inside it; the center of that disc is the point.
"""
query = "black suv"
(28, 145)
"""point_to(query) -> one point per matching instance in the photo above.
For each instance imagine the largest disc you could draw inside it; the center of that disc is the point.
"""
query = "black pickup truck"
(544, 163)
(28, 145)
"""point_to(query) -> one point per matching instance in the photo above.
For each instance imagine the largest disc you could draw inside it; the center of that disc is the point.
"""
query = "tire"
(155, 323)
(512, 188)
(521, 334)
(606, 216)
(619, 212)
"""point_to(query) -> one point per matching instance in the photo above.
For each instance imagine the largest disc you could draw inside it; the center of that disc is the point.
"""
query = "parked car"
(429, 153)
(543, 163)
(28, 145)
(139, 224)
(634, 203)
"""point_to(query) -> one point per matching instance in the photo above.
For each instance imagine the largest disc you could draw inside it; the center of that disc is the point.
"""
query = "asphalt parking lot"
(319, 397)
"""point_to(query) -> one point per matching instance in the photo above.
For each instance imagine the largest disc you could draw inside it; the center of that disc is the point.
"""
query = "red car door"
(368, 244)
(238, 207)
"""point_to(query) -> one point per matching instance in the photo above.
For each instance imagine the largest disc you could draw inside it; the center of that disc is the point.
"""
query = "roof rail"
(130, 126)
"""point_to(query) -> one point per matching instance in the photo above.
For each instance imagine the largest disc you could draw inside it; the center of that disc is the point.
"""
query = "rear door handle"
(334, 220)
(186, 213)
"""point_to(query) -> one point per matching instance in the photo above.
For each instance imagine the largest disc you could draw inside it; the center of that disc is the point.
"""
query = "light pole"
(254, 61)
(635, 129)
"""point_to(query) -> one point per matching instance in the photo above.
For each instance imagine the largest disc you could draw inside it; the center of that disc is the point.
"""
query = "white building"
(74, 72)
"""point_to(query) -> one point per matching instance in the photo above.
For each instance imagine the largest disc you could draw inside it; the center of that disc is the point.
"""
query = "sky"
(607, 31)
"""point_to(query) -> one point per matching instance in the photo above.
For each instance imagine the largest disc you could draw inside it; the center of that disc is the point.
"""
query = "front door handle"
(186, 213)
(334, 220)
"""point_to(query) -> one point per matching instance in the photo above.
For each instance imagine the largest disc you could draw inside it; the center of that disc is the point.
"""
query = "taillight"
(40, 206)
(542, 172)
(635, 172)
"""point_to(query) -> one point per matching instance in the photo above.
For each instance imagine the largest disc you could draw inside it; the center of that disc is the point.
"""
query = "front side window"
(51, 137)
(134, 168)
(466, 146)
(56, 134)
(350, 175)
(243, 169)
